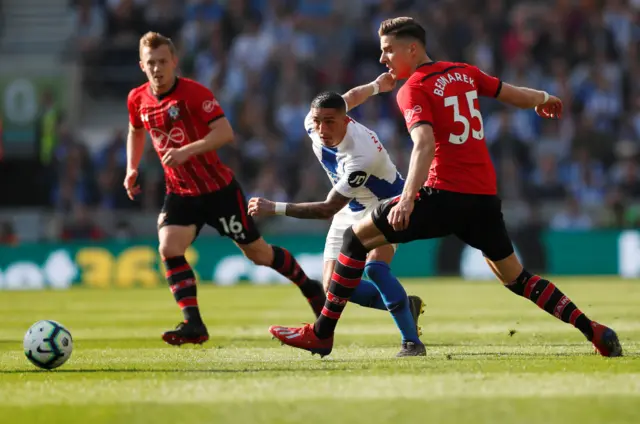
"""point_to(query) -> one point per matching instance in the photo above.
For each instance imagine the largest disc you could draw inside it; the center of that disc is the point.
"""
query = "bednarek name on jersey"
(359, 167)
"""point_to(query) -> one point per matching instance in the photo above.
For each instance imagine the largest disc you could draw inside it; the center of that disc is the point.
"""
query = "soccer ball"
(48, 344)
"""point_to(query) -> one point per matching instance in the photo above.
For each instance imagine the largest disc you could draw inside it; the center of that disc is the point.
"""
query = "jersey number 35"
(454, 101)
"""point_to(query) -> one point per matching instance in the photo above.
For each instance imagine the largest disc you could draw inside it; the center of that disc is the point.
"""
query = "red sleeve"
(488, 86)
(134, 115)
(414, 104)
(204, 105)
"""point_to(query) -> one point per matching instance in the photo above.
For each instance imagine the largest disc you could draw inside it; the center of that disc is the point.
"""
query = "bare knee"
(368, 234)
(382, 254)
(169, 251)
(174, 241)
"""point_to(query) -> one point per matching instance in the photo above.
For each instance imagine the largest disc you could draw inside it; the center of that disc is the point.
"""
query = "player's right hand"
(400, 215)
(130, 183)
(386, 82)
(261, 207)
(552, 109)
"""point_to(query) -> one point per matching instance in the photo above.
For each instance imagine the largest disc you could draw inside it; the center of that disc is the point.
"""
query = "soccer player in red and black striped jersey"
(187, 126)
(450, 187)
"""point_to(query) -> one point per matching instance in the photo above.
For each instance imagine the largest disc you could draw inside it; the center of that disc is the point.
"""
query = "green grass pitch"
(475, 371)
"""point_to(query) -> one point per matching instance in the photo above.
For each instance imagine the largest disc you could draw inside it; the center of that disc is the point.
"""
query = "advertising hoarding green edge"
(125, 264)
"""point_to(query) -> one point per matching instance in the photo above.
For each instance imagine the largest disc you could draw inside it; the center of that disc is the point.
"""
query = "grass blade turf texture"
(477, 369)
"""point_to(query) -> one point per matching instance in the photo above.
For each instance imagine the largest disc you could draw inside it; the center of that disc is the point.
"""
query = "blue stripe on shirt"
(383, 189)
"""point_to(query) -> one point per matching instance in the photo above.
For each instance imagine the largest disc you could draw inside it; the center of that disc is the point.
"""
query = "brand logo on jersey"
(209, 105)
(174, 112)
(161, 139)
(357, 178)
(410, 113)
(144, 117)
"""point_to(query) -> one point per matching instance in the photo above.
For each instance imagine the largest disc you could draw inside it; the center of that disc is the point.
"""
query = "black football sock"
(344, 280)
(182, 283)
(548, 297)
(287, 265)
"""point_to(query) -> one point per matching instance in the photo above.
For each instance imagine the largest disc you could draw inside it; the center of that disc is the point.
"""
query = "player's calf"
(548, 297)
(395, 299)
(174, 240)
(182, 283)
(282, 261)
(287, 265)
(346, 277)
(367, 295)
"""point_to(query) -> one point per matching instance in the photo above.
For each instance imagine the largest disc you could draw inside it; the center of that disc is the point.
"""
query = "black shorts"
(474, 218)
(225, 210)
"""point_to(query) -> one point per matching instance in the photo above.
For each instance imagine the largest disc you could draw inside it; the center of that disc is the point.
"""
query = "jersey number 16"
(457, 117)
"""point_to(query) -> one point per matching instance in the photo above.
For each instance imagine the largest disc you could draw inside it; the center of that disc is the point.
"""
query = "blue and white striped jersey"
(359, 167)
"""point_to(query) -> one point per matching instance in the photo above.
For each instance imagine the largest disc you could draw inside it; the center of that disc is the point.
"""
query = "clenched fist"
(386, 82)
(552, 109)
(261, 207)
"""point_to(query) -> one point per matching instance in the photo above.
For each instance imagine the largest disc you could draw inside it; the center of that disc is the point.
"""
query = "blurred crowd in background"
(266, 59)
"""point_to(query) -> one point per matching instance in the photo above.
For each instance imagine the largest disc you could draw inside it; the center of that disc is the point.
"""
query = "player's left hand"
(174, 157)
(400, 215)
(552, 109)
(261, 207)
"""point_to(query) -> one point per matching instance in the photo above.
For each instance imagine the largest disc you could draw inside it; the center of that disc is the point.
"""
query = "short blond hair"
(154, 40)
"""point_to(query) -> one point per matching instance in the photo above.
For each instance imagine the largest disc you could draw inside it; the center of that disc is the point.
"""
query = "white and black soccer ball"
(48, 344)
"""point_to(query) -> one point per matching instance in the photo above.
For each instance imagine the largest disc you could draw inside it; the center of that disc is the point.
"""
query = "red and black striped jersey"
(176, 118)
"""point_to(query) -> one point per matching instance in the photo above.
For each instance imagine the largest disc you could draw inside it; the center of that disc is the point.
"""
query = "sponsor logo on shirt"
(162, 139)
(357, 178)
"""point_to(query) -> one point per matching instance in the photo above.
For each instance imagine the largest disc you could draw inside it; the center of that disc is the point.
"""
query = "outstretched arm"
(521, 97)
(358, 95)
(313, 210)
(547, 106)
